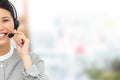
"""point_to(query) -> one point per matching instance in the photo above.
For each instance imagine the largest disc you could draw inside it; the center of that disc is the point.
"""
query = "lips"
(2, 35)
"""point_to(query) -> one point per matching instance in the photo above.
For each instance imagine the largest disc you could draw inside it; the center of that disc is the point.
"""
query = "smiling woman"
(16, 63)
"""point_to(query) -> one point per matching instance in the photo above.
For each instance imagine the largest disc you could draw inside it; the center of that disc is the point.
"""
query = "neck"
(4, 49)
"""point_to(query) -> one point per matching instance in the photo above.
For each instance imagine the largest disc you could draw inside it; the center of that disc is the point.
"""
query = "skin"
(21, 41)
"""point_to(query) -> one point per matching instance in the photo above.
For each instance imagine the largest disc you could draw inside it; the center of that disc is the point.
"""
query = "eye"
(6, 20)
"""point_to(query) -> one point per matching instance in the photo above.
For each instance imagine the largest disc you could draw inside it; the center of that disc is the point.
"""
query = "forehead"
(4, 13)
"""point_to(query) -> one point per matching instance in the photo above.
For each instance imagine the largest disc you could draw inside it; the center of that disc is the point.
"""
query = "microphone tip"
(10, 35)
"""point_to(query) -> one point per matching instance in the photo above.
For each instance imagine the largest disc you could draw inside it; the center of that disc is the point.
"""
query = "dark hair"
(7, 6)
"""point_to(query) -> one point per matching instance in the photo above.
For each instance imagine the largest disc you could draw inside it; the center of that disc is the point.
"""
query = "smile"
(2, 35)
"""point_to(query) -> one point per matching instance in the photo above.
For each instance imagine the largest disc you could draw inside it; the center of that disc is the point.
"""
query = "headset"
(16, 22)
(15, 19)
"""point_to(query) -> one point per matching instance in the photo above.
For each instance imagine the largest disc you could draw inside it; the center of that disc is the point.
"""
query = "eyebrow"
(6, 17)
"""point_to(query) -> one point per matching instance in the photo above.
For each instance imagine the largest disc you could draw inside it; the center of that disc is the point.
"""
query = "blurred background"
(77, 39)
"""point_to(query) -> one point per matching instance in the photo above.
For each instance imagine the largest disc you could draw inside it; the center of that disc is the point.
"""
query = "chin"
(4, 42)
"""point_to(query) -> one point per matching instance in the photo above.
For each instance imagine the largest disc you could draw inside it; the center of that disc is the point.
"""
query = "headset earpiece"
(16, 24)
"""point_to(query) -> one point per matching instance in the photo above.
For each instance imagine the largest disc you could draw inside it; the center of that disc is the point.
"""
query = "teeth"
(1, 35)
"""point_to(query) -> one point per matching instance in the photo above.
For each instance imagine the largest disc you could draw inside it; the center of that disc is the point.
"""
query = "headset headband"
(13, 8)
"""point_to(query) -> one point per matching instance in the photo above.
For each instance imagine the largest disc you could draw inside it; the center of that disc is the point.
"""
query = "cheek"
(10, 26)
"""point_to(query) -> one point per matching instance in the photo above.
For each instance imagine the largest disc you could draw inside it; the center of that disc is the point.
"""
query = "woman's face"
(6, 26)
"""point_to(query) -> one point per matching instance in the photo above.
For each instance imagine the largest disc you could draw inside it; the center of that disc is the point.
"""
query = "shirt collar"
(8, 55)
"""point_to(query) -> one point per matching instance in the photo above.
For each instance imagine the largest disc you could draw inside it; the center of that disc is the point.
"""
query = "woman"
(19, 63)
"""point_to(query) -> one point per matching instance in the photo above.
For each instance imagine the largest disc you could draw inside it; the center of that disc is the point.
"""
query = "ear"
(16, 24)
